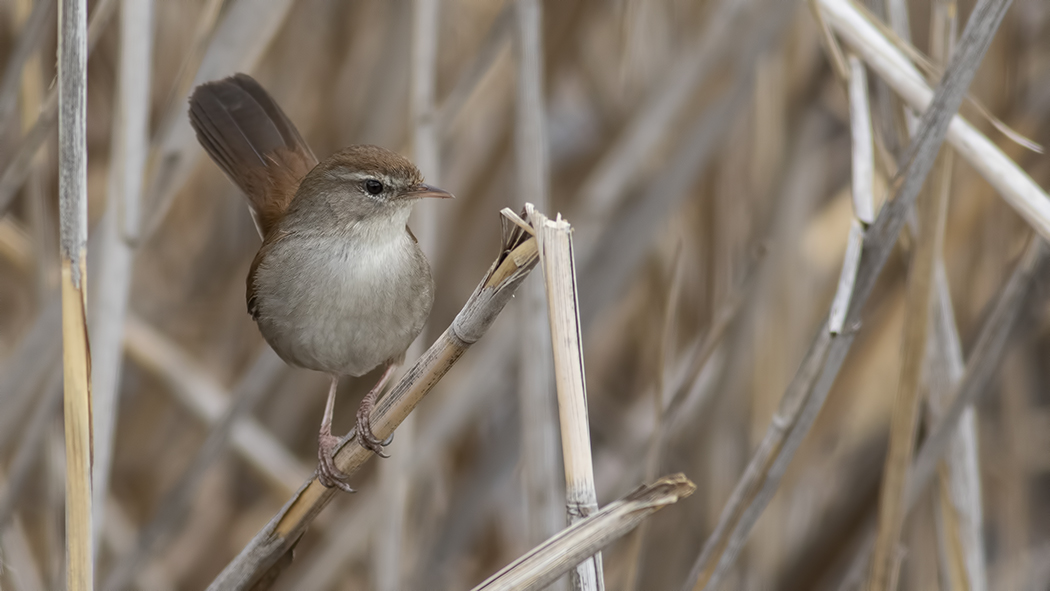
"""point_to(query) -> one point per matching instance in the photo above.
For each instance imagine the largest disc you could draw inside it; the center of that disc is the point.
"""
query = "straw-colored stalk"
(554, 240)
(76, 364)
(551, 559)
(517, 257)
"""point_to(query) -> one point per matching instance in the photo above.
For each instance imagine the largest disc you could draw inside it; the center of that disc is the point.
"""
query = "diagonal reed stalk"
(862, 189)
(268, 548)
(545, 563)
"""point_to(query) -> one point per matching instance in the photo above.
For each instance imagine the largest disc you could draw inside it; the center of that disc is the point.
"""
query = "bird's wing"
(248, 135)
(250, 296)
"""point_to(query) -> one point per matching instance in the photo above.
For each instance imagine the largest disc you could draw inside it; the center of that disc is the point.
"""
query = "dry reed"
(73, 222)
(746, 267)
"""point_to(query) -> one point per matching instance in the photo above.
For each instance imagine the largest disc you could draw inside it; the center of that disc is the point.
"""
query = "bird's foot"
(365, 436)
(327, 473)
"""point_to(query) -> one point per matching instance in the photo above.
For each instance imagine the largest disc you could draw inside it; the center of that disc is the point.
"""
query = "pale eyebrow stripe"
(364, 176)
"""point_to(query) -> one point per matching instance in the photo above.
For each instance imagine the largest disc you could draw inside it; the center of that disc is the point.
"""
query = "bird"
(339, 284)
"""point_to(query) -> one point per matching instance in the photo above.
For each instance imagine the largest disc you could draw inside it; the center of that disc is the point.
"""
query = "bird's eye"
(373, 187)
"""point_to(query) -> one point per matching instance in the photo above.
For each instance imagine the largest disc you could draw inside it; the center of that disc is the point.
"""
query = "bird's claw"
(368, 439)
(328, 474)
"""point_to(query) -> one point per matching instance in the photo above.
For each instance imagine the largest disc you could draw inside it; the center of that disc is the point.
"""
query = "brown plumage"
(251, 139)
(339, 284)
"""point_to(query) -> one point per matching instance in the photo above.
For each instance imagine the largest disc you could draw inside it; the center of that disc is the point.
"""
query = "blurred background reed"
(701, 150)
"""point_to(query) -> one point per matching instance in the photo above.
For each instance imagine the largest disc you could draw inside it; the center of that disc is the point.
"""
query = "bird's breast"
(342, 305)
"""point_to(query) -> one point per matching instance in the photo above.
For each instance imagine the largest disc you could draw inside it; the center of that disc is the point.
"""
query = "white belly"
(342, 306)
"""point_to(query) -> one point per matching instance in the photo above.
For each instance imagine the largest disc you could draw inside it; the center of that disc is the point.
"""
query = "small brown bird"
(339, 284)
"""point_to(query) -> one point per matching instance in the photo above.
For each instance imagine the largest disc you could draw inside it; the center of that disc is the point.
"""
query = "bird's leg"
(327, 472)
(365, 436)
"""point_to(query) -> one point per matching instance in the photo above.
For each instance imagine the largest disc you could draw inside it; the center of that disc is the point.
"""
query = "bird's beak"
(423, 190)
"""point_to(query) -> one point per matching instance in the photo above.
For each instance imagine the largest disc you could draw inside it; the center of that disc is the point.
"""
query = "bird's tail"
(248, 135)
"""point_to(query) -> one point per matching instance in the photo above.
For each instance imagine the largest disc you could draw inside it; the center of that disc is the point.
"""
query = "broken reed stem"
(76, 363)
(862, 188)
(862, 178)
(517, 257)
(551, 559)
(554, 240)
